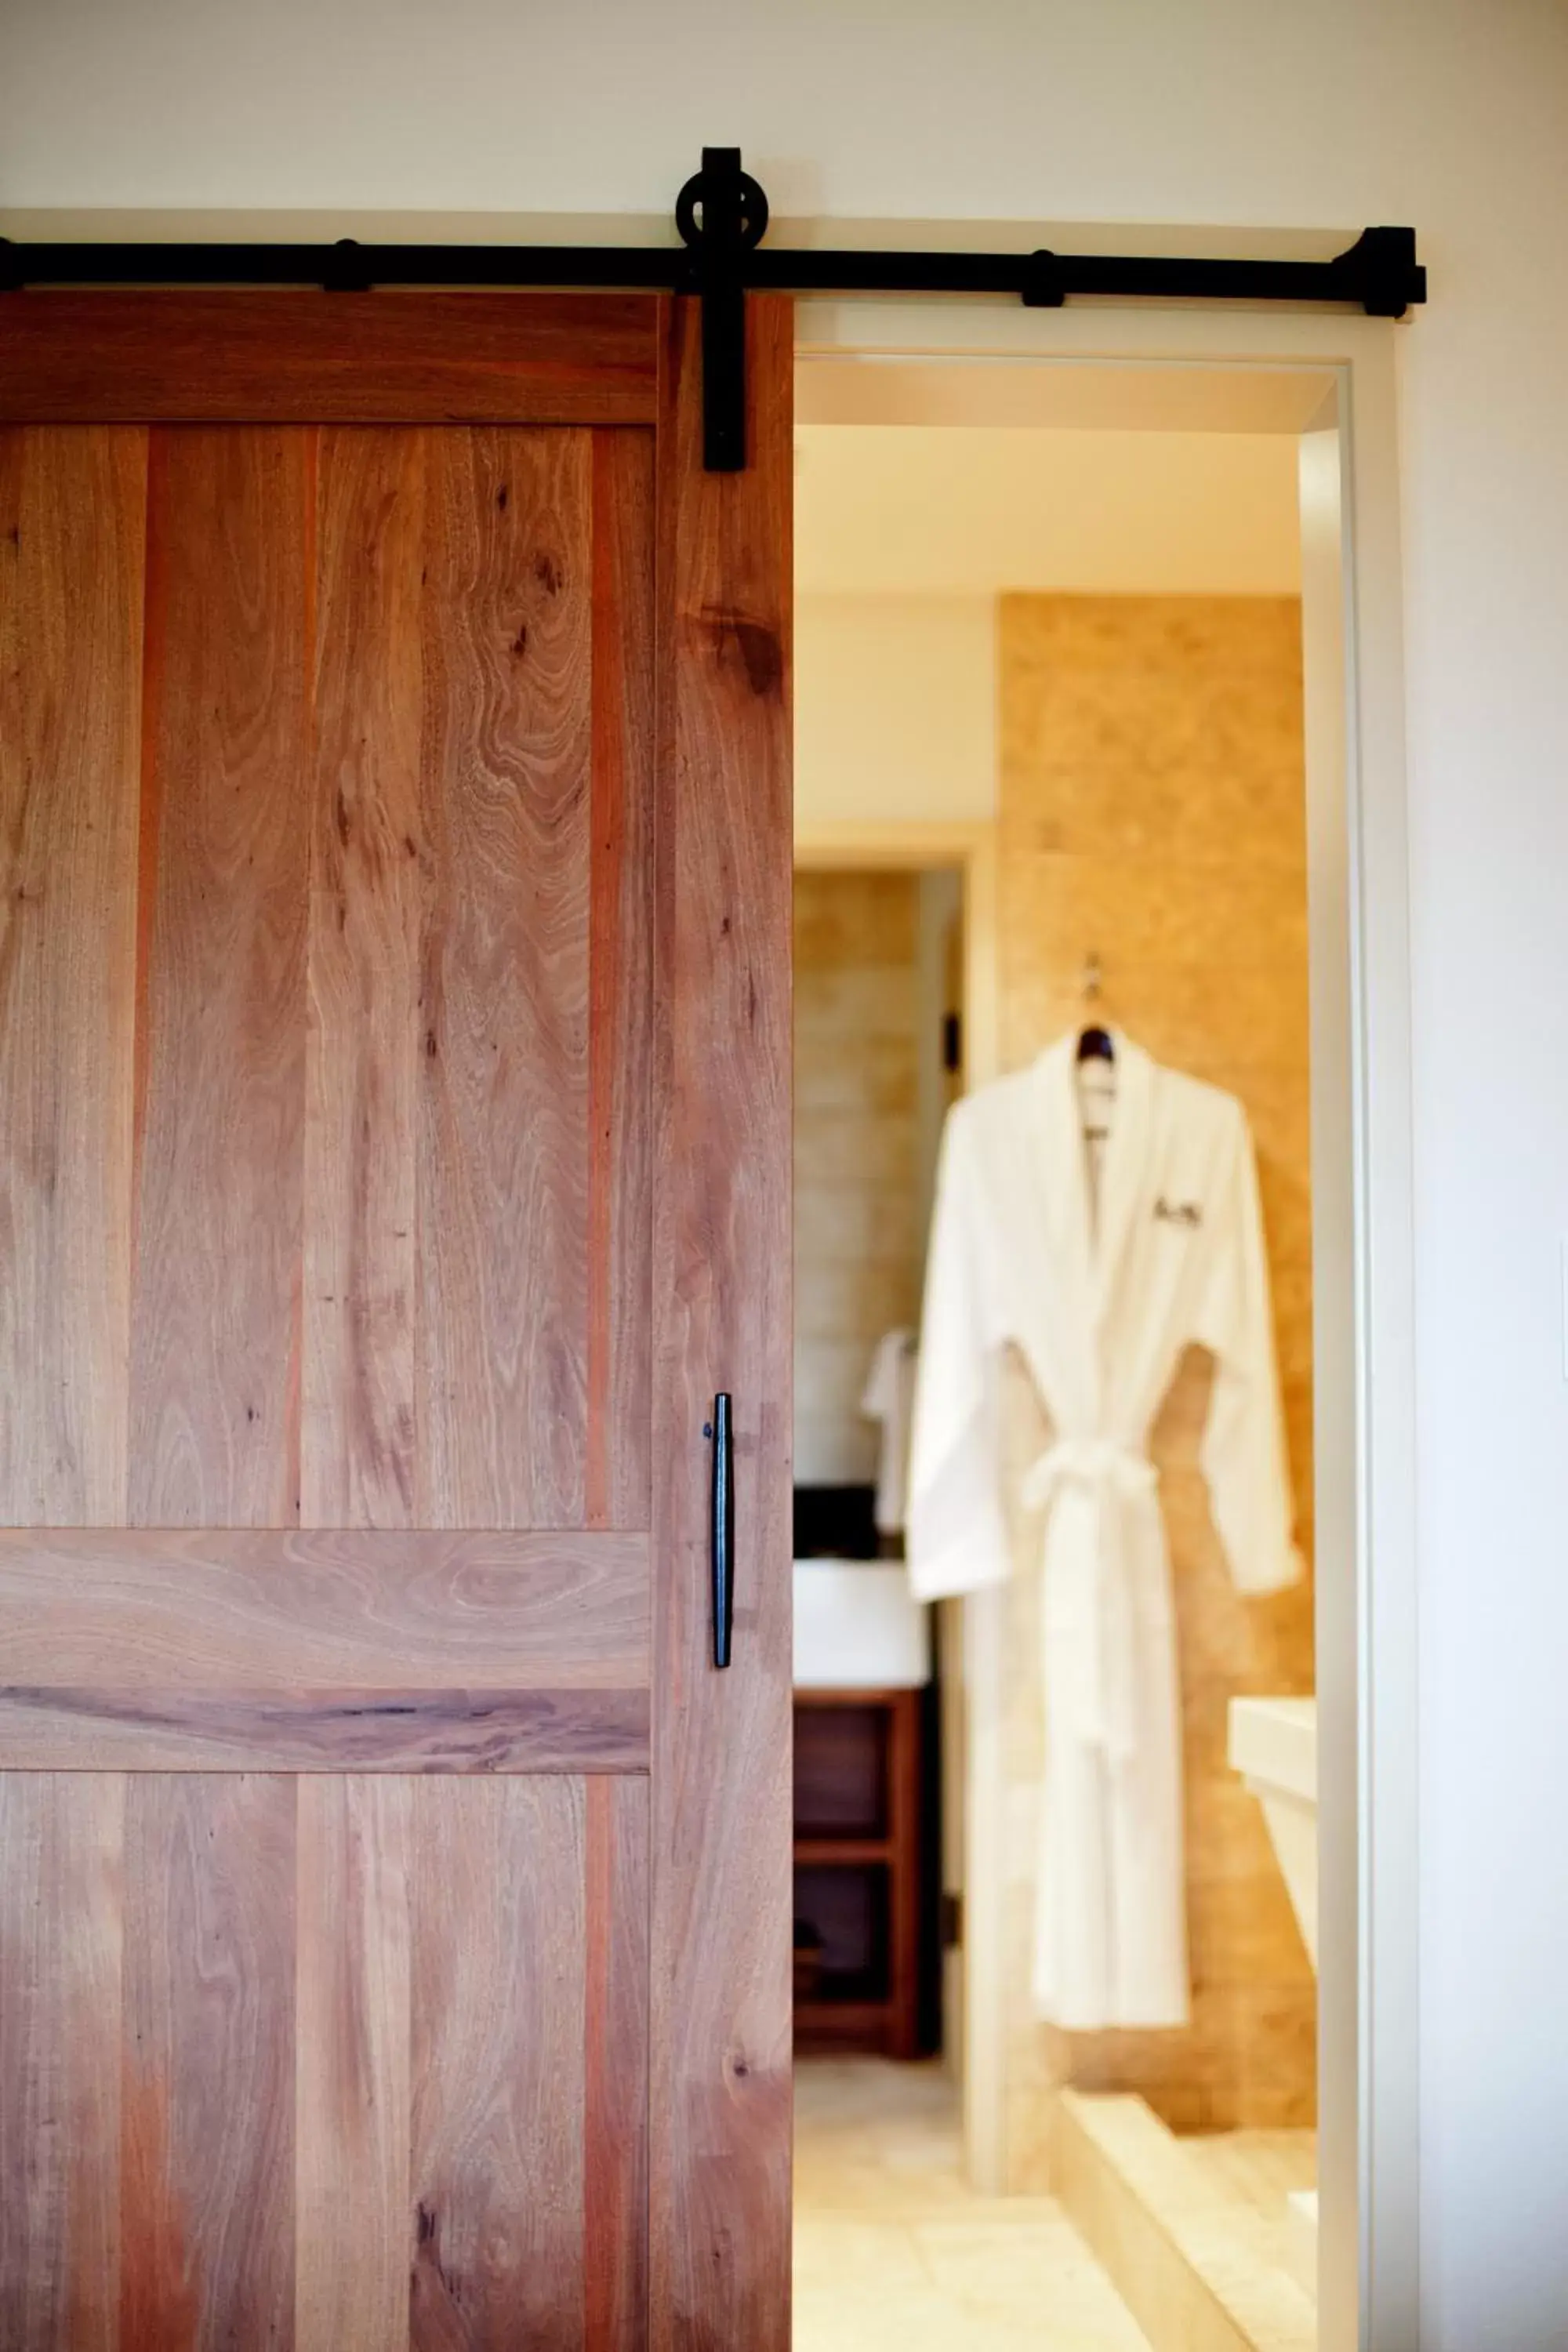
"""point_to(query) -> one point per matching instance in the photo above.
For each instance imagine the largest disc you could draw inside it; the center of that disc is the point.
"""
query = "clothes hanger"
(1094, 1043)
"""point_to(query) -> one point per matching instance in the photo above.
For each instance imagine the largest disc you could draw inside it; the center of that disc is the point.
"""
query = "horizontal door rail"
(723, 215)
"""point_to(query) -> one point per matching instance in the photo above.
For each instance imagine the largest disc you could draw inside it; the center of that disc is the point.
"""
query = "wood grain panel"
(520, 858)
(71, 520)
(616, 1475)
(60, 1897)
(615, 2051)
(61, 1725)
(352, 2073)
(358, 1440)
(226, 773)
(503, 1117)
(436, 2130)
(309, 358)
(497, 2117)
(207, 2149)
(182, 1611)
(719, 2084)
(383, 907)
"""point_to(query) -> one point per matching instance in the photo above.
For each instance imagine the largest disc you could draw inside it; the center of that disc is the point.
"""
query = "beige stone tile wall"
(858, 1246)
(1151, 812)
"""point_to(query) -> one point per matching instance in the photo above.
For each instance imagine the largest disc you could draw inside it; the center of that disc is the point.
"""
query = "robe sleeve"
(957, 1537)
(1243, 1449)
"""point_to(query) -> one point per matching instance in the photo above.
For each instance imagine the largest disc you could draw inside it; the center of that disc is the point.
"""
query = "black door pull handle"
(723, 1530)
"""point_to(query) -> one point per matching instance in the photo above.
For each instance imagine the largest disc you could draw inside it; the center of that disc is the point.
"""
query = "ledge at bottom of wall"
(1203, 2237)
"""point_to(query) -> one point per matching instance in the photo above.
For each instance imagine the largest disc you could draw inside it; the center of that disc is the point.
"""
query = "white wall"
(1451, 113)
(895, 709)
(905, 537)
(913, 510)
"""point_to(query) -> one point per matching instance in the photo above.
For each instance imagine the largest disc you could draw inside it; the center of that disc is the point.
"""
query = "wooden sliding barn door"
(395, 1152)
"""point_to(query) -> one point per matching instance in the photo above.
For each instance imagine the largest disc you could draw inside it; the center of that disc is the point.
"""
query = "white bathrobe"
(1099, 1281)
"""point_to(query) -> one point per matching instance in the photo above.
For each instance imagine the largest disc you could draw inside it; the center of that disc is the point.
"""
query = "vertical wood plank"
(497, 2065)
(503, 1118)
(215, 1301)
(61, 1893)
(207, 2146)
(721, 1961)
(358, 1466)
(620, 977)
(352, 2200)
(71, 521)
(614, 2044)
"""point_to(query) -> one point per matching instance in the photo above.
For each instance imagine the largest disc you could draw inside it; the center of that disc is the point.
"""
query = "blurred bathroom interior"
(1055, 2059)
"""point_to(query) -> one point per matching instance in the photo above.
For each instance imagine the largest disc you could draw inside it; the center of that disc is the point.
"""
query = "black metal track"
(1368, 275)
(723, 215)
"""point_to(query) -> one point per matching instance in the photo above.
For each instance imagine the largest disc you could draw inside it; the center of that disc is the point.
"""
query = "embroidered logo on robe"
(1178, 1212)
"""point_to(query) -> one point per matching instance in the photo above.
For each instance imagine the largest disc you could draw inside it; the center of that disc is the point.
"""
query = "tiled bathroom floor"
(894, 2253)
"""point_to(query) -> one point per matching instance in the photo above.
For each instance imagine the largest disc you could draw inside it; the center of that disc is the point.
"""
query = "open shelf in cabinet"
(861, 1781)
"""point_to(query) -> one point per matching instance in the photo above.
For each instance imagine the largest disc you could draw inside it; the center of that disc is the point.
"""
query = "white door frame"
(1329, 380)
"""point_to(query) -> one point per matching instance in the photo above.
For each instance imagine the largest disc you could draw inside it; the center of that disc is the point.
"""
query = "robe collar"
(1096, 1245)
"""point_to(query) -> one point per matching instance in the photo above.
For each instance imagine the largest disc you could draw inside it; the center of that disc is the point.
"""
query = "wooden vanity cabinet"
(864, 1859)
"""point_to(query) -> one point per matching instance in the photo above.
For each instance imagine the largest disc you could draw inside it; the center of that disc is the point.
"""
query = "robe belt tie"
(1113, 1479)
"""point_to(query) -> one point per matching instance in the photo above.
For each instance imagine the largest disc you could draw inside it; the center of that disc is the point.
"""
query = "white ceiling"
(914, 509)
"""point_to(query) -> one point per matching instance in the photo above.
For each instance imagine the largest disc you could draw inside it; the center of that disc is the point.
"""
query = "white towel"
(890, 1399)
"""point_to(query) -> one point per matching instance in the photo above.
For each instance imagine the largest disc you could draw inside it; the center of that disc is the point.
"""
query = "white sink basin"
(1274, 1746)
(859, 1627)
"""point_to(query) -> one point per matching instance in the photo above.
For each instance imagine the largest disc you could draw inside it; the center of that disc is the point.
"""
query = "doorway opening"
(1053, 682)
